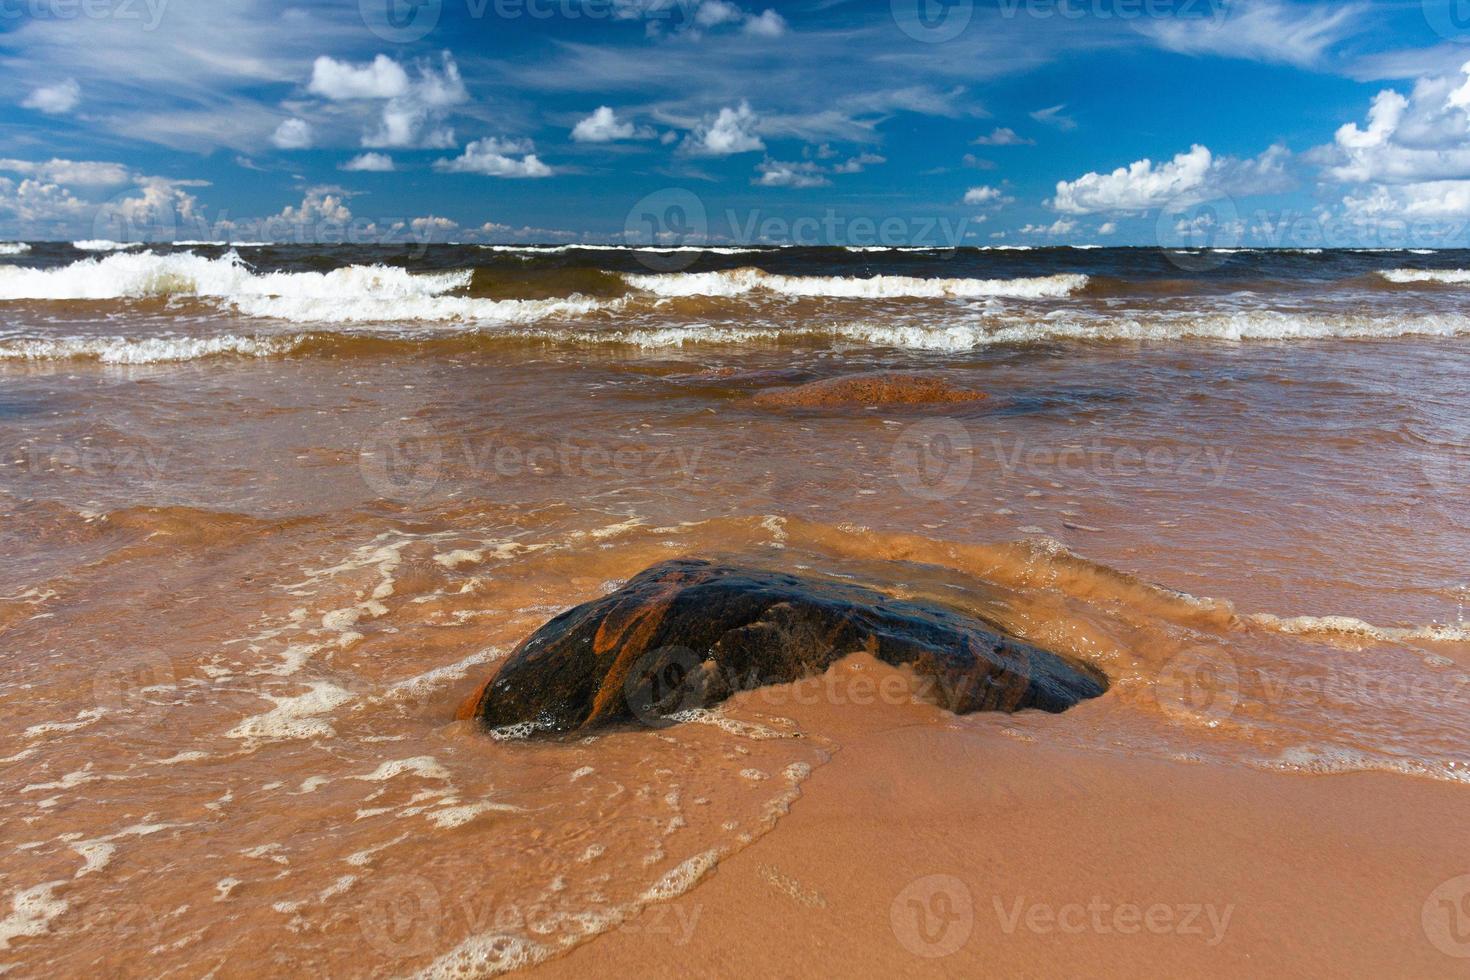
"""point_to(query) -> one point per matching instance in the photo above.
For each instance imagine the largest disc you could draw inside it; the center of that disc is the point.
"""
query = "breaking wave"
(350, 294)
(1444, 276)
(14, 248)
(736, 282)
(147, 350)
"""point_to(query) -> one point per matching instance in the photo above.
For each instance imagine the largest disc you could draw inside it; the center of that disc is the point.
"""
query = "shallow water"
(243, 589)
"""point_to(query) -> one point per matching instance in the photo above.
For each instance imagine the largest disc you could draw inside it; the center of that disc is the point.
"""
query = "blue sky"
(906, 122)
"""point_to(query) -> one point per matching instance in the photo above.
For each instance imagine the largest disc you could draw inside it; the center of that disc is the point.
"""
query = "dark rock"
(869, 388)
(689, 633)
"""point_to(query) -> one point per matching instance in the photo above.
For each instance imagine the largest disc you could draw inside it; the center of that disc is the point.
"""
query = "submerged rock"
(689, 633)
(869, 388)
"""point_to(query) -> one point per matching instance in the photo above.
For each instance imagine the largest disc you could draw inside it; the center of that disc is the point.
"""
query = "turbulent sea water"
(271, 512)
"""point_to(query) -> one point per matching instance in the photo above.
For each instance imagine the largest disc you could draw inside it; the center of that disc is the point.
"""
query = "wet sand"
(242, 598)
(1032, 860)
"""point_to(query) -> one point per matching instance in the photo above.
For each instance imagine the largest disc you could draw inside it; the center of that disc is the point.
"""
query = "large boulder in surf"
(869, 388)
(689, 633)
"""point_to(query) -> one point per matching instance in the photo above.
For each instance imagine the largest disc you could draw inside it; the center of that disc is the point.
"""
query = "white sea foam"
(1328, 760)
(357, 308)
(351, 294)
(736, 282)
(32, 910)
(103, 245)
(146, 350)
(14, 248)
(661, 249)
(1445, 276)
(127, 275)
(1241, 326)
(1351, 626)
(295, 717)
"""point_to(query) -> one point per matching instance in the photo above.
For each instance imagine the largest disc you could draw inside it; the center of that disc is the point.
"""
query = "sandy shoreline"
(1026, 859)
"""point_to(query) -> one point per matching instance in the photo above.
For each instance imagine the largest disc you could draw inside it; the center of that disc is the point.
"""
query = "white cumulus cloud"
(1411, 157)
(293, 134)
(381, 78)
(370, 162)
(604, 126)
(55, 100)
(1192, 176)
(777, 173)
(733, 130)
(495, 157)
(982, 195)
(413, 106)
(766, 24)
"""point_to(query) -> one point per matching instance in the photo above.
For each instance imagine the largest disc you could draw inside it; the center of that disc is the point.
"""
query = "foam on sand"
(31, 912)
(296, 717)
